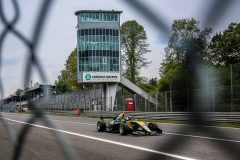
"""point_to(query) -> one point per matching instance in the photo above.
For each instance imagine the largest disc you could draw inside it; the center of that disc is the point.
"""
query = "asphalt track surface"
(176, 142)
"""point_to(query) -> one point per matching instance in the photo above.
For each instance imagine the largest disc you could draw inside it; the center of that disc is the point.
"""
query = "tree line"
(217, 52)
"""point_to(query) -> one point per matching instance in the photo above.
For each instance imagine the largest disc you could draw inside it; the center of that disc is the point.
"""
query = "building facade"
(98, 46)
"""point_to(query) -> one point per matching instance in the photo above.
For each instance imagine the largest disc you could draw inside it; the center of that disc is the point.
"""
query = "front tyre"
(101, 126)
(123, 129)
(154, 127)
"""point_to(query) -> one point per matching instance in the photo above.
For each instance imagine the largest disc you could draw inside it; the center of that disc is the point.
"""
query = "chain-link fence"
(222, 90)
(222, 98)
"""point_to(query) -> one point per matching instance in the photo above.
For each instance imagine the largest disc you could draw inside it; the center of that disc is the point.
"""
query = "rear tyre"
(101, 126)
(123, 129)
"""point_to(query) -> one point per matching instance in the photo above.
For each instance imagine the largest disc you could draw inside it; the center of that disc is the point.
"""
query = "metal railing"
(233, 117)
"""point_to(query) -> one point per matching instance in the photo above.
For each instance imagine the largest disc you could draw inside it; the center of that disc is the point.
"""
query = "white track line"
(105, 140)
(202, 137)
(202, 126)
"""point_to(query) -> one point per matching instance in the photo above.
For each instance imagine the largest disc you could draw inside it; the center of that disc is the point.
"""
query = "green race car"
(125, 125)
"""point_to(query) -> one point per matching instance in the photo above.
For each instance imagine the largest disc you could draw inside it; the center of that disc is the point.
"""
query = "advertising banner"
(89, 77)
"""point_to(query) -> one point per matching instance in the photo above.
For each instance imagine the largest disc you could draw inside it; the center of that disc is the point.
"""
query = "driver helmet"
(128, 118)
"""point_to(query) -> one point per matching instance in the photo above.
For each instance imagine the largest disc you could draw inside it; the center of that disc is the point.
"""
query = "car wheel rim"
(121, 129)
(147, 133)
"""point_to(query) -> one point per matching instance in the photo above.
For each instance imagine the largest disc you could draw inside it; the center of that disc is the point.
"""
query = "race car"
(125, 125)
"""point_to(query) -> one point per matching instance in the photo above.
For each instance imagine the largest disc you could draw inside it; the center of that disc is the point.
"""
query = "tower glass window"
(95, 17)
(98, 41)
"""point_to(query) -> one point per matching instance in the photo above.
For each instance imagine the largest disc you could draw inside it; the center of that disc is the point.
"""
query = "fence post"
(84, 101)
(116, 103)
(101, 103)
(111, 106)
(170, 97)
(166, 101)
(135, 102)
(121, 102)
(148, 104)
(156, 97)
(213, 99)
(145, 104)
(231, 87)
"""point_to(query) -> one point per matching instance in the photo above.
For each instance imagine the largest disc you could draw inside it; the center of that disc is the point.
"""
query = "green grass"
(233, 125)
(24, 112)
(57, 114)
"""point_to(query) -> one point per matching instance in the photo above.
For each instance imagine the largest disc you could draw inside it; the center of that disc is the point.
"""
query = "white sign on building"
(101, 77)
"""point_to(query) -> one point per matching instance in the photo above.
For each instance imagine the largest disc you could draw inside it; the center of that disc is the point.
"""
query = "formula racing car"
(125, 125)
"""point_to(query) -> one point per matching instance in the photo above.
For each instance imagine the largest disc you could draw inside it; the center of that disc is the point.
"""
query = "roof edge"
(97, 11)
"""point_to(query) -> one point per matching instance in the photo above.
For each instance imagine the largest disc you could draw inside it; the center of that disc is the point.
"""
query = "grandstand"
(87, 100)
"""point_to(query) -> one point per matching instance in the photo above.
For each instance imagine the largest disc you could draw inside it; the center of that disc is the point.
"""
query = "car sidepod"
(113, 127)
(138, 126)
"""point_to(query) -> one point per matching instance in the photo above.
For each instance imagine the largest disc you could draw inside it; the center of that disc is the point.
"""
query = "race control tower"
(98, 48)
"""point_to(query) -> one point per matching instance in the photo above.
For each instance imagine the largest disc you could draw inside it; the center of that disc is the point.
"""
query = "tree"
(187, 45)
(71, 70)
(150, 86)
(153, 81)
(225, 47)
(18, 92)
(176, 53)
(61, 86)
(134, 47)
(183, 31)
(67, 80)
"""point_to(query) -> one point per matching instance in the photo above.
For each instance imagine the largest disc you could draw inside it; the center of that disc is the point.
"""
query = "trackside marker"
(105, 140)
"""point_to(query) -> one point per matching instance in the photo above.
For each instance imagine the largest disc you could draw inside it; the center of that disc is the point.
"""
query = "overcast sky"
(59, 35)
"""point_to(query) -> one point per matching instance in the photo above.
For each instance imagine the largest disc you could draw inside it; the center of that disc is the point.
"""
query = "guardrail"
(232, 117)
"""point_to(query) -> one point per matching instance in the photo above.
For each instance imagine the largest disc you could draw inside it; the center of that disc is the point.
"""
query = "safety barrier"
(232, 117)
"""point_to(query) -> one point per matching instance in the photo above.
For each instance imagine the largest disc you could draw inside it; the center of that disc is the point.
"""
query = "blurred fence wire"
(227, 96)
(194, 68)
(31, 45)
